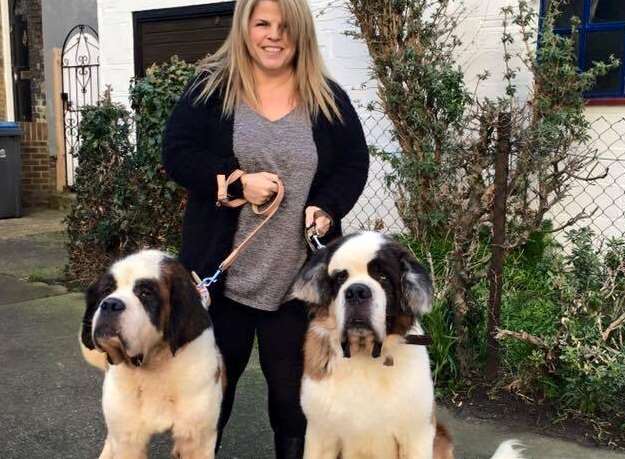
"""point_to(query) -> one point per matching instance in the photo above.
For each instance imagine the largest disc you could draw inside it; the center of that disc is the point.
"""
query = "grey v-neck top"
(265, 270)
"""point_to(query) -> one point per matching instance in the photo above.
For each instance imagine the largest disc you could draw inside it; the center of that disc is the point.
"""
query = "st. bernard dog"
(366, 392)
(146, 327)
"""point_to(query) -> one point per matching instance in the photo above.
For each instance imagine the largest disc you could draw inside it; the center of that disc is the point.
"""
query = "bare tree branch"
(522, 336)
(613, 326)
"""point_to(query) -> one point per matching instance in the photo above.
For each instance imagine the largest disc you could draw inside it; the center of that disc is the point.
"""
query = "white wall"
(58, 18)
(116, 39)
(606, 197)
(348, 62)
(481, 33)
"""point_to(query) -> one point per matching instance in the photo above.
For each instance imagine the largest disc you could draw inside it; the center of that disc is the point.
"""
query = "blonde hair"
(229, 69)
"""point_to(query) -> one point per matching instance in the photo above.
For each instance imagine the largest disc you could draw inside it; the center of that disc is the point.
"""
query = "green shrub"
(124, 200)
(566, 296)
(157, 212)
(439, 322)
(96, 226)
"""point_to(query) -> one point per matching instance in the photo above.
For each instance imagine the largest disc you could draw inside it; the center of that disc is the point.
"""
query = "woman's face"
(270, 46)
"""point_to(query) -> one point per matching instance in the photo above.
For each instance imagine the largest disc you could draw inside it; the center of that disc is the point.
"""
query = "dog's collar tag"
(312, 238)
(204, 295)
(202, 289)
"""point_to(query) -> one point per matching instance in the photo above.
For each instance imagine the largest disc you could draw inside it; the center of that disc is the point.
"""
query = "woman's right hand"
(259, 187)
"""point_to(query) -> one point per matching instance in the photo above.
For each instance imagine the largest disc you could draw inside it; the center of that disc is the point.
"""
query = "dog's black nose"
(357, 293)
(112, 305)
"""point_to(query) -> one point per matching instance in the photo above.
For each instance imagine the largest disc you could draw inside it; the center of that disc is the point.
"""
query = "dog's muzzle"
(358, 328)
(107, 334)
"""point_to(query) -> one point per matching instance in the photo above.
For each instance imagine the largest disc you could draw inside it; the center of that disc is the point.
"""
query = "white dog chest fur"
(361, 396)
(183, 387)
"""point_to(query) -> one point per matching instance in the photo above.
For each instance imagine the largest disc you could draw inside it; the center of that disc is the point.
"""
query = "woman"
(264, 104)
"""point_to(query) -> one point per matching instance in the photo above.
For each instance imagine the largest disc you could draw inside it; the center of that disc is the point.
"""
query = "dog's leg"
(107, 451)
(373, 446)
(417, 445)
(320, 444)
(125, 446)
(194, 443)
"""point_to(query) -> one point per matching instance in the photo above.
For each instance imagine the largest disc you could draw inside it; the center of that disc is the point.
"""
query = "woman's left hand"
(321, 219)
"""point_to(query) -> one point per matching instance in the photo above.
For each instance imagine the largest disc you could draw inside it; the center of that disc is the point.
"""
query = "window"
(601, 34)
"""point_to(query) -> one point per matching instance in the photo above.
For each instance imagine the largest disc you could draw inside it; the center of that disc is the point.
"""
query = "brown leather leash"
(266, 210)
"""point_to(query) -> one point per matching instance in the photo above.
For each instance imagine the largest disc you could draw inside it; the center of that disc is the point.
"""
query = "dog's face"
(143, 301)
(369, 284)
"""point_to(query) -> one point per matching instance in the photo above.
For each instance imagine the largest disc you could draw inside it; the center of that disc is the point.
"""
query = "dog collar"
(418, 340)
(137, 360)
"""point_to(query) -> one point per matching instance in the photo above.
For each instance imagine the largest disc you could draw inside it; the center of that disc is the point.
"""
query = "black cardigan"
(197, 146)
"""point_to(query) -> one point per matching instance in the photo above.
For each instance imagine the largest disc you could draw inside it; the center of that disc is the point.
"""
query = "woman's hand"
(322, 220)
(259, 187)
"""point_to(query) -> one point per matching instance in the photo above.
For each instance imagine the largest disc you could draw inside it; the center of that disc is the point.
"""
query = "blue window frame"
(600, 34)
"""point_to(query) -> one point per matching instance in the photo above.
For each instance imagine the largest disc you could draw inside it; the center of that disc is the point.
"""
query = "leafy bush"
(124, 200)
(563, 318)
(157, 212)
(95, 225)
(590, 340)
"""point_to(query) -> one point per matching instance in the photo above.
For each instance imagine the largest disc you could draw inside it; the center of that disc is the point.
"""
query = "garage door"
(188, 32)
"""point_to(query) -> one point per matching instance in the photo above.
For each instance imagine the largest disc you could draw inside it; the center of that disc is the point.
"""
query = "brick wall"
(37, 166)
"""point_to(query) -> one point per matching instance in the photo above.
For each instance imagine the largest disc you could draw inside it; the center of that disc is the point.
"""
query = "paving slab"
(41, 256)
(34, 221)
(50, 399)
(478, 439)
(14, 290)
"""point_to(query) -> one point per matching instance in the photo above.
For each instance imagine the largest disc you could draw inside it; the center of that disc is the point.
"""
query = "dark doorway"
(20, 57)
(188, 32)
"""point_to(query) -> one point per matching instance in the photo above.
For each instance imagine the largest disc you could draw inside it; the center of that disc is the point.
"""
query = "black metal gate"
(80, 67)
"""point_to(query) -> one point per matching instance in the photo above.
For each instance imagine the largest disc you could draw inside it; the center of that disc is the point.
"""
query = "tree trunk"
(458, 292)
(495, 273)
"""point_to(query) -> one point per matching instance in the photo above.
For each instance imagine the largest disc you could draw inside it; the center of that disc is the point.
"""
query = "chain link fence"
(375, 210)
(602, 200)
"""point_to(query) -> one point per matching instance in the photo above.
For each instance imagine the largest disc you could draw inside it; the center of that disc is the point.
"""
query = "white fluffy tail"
(509, 449)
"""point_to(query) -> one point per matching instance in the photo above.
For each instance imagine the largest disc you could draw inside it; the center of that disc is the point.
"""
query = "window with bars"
(601, 33)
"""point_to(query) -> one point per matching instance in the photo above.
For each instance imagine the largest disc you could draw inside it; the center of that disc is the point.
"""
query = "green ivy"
(124, 200)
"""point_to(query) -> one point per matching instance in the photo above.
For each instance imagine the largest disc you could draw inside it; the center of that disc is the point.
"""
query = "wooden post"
(57, 105)
(498, 254)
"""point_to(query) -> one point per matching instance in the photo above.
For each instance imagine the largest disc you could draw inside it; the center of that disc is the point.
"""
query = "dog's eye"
(145, 293)
(341, 276)
(377, 273)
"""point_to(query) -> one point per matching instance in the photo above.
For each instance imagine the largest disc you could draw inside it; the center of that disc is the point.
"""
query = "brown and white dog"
(367, 393)
(146, 327)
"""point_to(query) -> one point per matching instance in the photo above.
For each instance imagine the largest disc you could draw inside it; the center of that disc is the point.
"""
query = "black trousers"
(280, 342)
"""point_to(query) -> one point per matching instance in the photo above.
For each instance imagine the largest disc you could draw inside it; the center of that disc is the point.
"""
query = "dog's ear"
(416, 285)
(312, 285)
(187, 317)
(94, 294)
